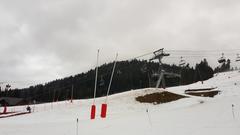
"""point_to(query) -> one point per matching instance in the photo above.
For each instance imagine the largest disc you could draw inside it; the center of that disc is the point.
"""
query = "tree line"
(129, 75)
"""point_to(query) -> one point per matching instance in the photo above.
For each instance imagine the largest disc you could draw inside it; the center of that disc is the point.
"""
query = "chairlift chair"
(238, 58)
(8, 87)
(101, 82)
(144, 68)
(182, 62)
(222, 59)
(119, 72)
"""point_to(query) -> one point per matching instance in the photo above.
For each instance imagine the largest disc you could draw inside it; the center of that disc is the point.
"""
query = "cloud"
(44, 40)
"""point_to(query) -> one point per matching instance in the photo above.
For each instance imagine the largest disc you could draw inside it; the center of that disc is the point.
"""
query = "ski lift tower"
(159, 54)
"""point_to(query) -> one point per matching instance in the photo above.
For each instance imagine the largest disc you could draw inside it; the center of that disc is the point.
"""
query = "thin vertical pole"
(180, 76)
(160, 79)
(72, 94)
(53, 98)
(34, 102)
(77, 127)
(233, 111)
(149, 81)
(180, 70)
(110, 83)
(160, 73)
(200, 75)
(95, 86)
(53, 95)
(149, 118)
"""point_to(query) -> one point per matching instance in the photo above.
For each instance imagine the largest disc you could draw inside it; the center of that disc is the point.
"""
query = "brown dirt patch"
(204, 94)
(205, 89)
(159, 97)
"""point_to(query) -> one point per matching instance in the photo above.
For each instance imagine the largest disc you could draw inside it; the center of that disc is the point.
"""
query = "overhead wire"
(173, 52)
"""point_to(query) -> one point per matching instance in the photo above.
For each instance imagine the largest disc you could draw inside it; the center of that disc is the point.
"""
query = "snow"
(193, 115)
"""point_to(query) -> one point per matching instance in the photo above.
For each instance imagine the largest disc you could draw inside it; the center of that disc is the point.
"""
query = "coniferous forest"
(129, 75)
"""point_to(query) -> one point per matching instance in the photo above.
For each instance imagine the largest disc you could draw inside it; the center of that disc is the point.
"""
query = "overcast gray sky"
(47, 39)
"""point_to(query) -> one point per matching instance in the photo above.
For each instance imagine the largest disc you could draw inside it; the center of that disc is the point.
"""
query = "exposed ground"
(204, 94)
(203, 89)
(159, 97)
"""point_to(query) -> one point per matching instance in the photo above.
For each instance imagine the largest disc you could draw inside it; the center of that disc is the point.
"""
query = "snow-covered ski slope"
(187, 116)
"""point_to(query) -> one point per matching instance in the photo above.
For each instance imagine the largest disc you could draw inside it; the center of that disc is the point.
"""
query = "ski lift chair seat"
(182, 63)
(238, 58)
(221, 60)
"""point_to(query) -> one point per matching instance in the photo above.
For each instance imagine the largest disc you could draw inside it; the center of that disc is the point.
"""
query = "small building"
(12, 101)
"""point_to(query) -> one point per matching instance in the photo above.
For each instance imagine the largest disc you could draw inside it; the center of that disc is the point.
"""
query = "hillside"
(193, 115)
(134, 74)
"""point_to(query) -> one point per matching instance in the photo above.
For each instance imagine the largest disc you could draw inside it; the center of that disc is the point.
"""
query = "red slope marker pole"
(104, 110)
(93, 112)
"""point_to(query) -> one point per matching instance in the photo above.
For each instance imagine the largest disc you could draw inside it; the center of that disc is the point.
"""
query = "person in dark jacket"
(28, 109)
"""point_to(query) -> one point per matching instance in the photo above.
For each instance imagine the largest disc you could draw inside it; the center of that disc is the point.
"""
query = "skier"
(28, 109)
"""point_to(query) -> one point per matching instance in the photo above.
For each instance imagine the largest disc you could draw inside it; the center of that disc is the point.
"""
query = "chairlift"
(222, 59)
(119, 72)
(144, 68)
(238, 58)
(101, 82)
(182, 62)
(8, 87)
